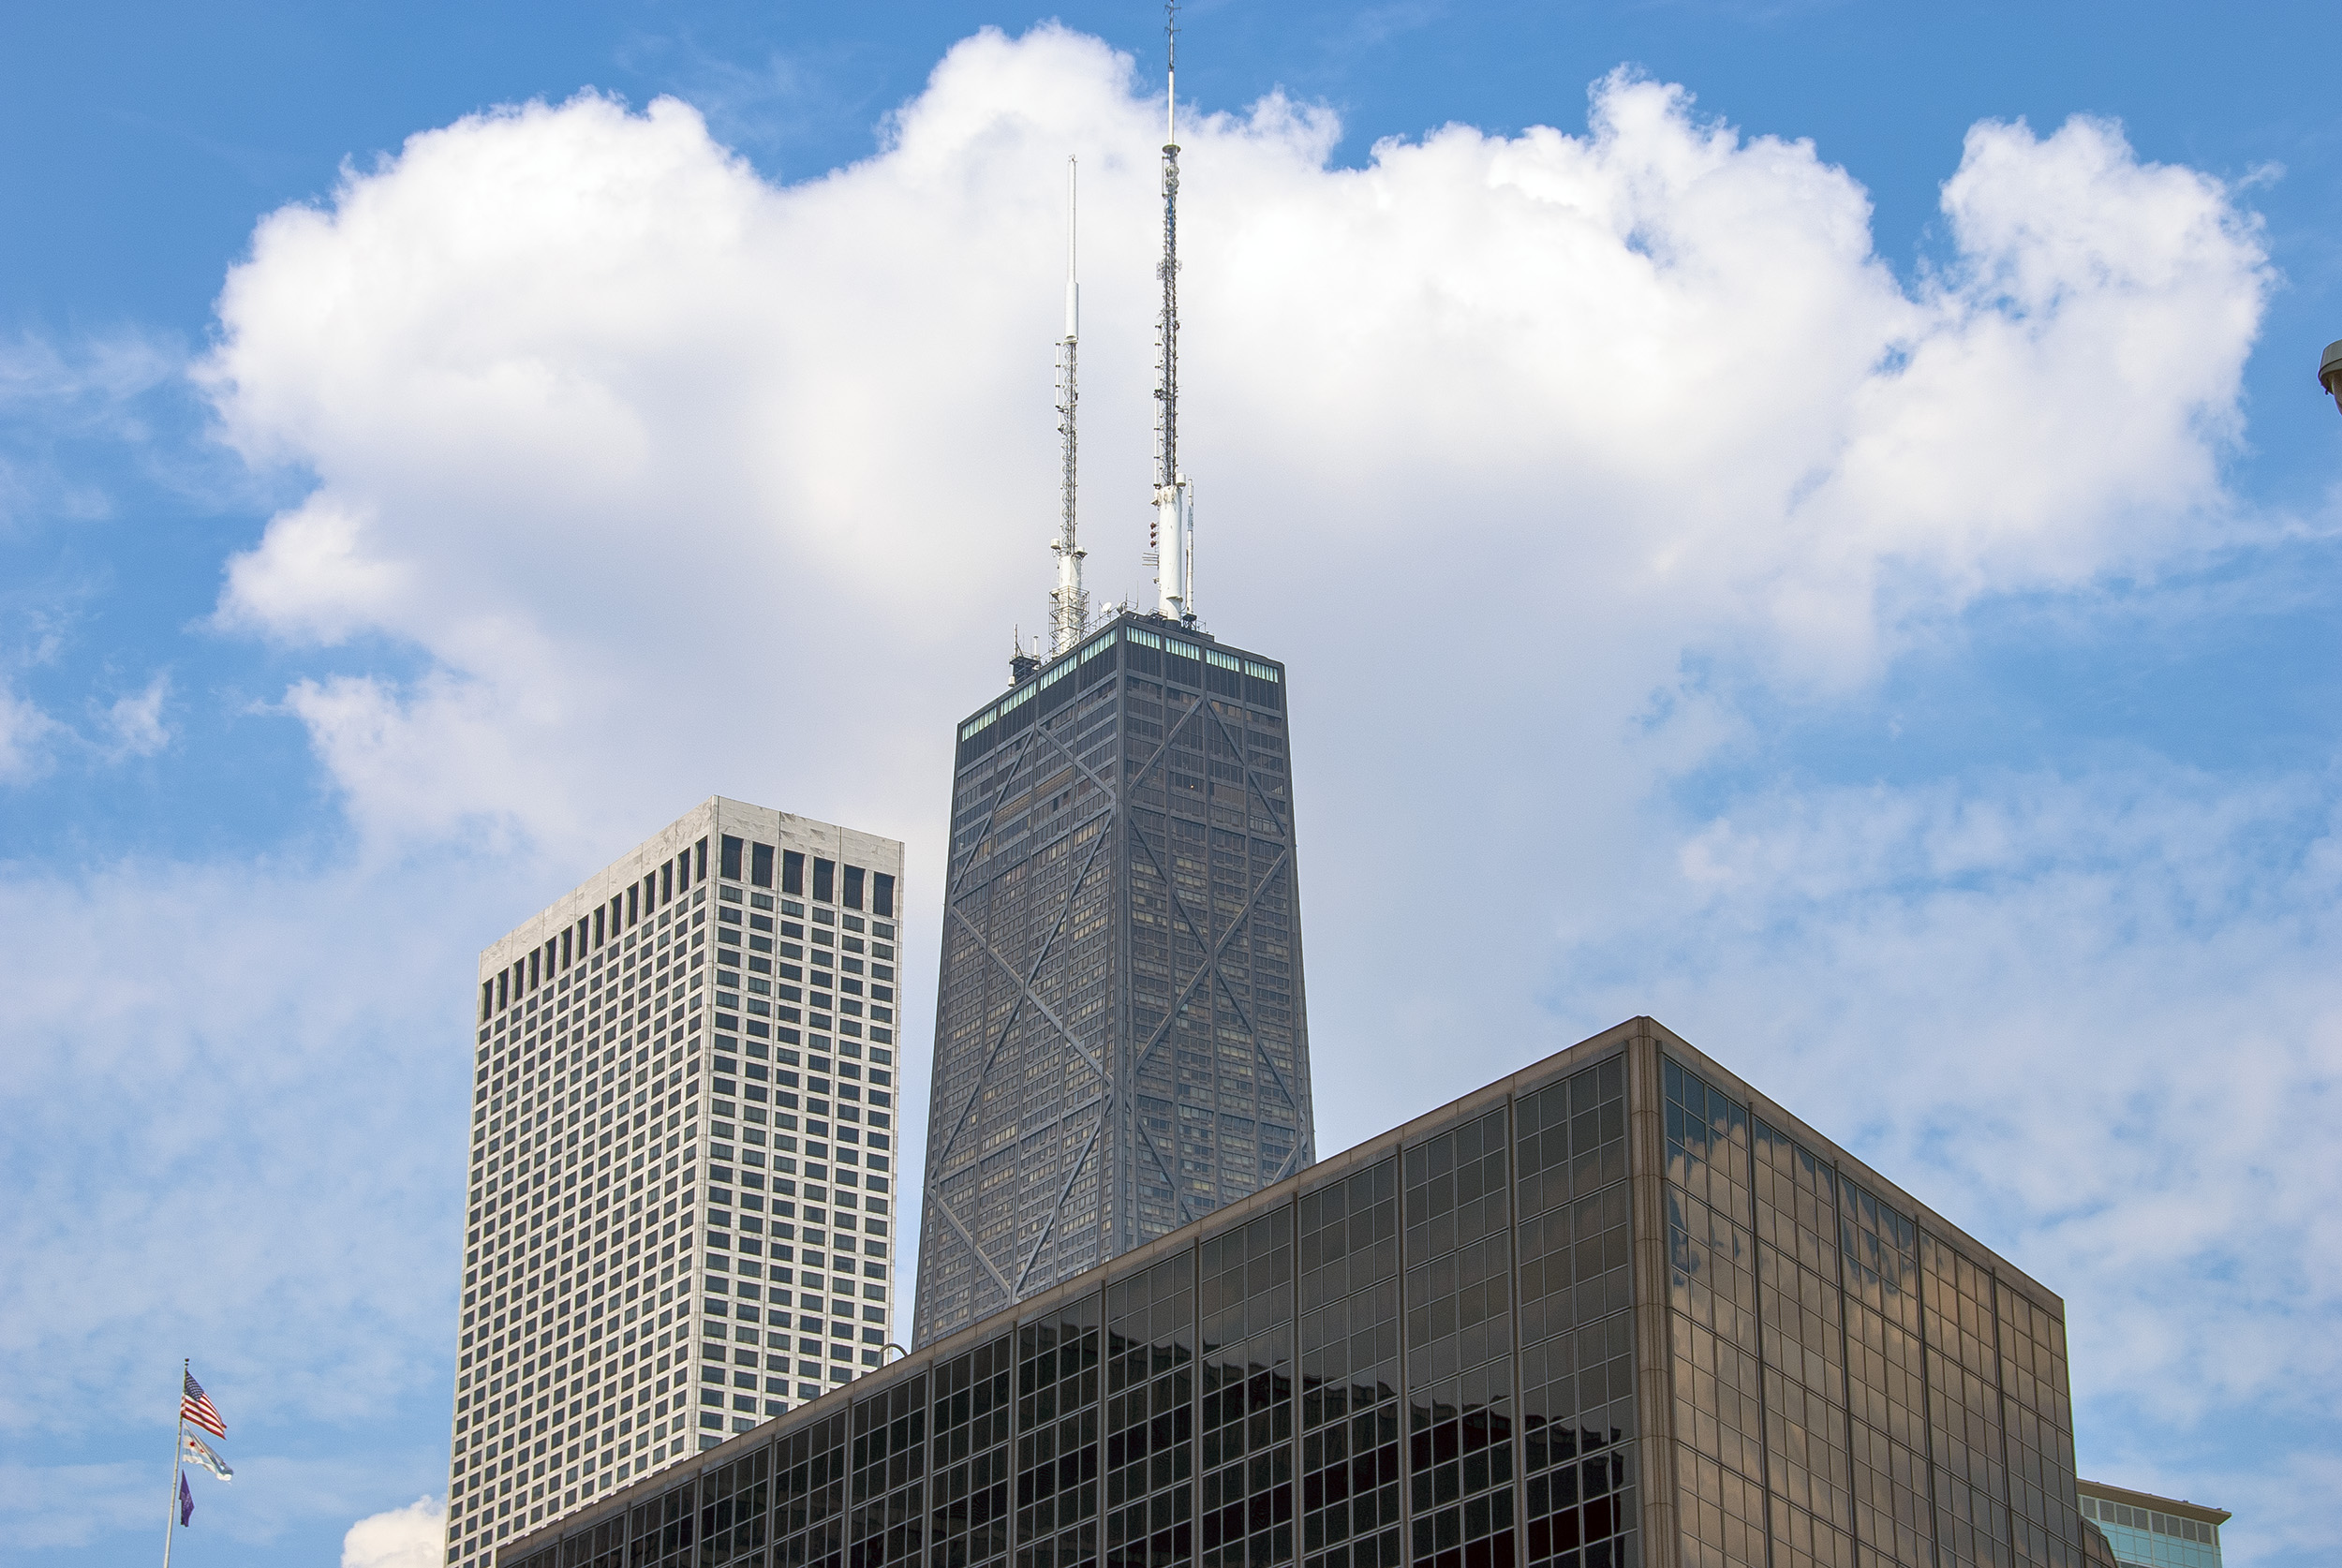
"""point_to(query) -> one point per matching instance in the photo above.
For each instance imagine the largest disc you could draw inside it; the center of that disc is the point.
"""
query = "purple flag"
(186, 1499)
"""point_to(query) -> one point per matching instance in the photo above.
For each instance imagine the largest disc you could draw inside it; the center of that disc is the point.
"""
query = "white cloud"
(578, 386)
(98, 387)
(25, 734)
(309, 582)
(414, 1536)
(31, 740)
(135, 723)
(104, 372)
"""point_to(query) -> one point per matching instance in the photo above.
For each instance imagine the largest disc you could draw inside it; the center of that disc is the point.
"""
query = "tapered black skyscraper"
(1121, 1044)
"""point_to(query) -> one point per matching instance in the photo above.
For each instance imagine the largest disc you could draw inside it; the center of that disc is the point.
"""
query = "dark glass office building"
(1617, 1310)
(1120, 1045)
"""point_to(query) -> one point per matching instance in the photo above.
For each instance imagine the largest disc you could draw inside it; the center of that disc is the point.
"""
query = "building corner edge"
(1663, 1539)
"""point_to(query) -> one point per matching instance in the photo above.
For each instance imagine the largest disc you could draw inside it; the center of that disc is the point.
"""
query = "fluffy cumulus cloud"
(408, 1537)
(638, 478)
(591, 405)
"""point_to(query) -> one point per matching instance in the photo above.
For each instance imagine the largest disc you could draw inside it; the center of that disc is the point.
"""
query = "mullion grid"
(968, 1519)
(1349, 1322)
(809, 1495)
(1970, 1479)
(1057, 1437)
(1576, 1285)
(1151, 1417)
(1245, 1420)
(1886, 1381)
(2038, 1445)
(886, 1522)
(1712, 1272)
(1899, 1429)
(734, 1512)
(1809, 1475)
(1459, 1368)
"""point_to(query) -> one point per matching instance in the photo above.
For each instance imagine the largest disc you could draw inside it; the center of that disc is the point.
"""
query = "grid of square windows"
(1150, 1411)
(1245, 1417)
(584, 1247)
(1850, 1387)
(1577, 1328)
(1349, 1329)
(1460, 1345)
(585, 1135)
(968, 1525)
(1057, 1437)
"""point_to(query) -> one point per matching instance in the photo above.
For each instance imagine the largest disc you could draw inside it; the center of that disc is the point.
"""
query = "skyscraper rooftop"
(2145, 1530)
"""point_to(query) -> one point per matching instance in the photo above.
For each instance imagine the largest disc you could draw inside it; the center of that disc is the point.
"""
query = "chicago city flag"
(196, 1451)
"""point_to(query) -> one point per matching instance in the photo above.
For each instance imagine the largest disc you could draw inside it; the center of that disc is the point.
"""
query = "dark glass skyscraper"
(1618, 1309)
(1120, 1045)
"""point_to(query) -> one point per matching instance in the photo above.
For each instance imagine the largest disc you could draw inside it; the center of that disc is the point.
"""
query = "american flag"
(195, 1406)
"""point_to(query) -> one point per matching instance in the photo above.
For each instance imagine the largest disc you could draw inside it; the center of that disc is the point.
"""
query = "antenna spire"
(1069, 606)
(1171, 537)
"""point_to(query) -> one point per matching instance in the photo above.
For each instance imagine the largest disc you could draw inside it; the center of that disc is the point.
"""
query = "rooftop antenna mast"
(1069, 606)
(1171, 537)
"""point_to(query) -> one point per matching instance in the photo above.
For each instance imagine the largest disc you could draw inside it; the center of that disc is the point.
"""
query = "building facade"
(682, 1136)
(1121, 1044)
(1618, 1309)
(2144, 1531)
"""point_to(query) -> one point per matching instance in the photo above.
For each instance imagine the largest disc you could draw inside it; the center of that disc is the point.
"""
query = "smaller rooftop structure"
(2145, 1530)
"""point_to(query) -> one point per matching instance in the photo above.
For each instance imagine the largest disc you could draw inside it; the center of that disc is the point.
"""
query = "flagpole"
(178, 1434)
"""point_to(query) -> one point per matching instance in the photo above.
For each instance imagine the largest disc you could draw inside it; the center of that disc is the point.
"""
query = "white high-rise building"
(680, 1217)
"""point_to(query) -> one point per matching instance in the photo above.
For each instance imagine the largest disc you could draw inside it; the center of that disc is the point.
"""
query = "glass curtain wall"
(1849, 1388)
(1431, 1352)
(1422, 1357)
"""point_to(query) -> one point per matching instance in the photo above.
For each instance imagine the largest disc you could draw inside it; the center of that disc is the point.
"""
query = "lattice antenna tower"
(1171, 537)
(1069, 605)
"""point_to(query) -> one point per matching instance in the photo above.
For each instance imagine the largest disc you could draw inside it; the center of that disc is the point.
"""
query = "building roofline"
(1868, 1175)
(541, 923)
(2200, 1513)
(1144, 620)
(1105, 1275)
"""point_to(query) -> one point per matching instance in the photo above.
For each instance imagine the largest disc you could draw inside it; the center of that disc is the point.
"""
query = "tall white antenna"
(1171, 537)
(1069, 606)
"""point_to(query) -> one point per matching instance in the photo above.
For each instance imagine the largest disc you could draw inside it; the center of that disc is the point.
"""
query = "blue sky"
(1822, 545)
